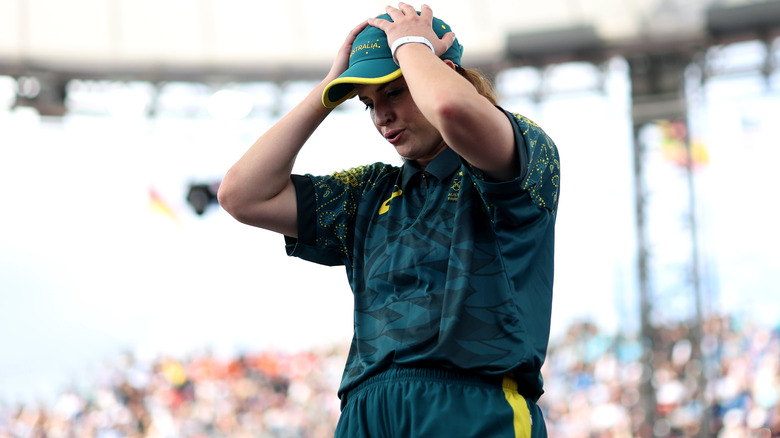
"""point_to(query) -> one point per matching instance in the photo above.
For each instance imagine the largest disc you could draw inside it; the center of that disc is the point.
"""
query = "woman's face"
(400, 122)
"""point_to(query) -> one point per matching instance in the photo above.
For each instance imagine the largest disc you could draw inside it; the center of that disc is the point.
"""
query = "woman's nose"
(382, 115)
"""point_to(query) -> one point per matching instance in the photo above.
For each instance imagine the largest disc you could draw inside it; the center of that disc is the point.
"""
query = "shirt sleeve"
(327, 209)
(540, 168)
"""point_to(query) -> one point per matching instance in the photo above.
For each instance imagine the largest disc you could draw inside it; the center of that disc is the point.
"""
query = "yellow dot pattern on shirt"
(543, 178)
(335, 198)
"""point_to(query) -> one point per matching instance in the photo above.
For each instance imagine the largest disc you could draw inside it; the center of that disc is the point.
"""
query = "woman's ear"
(450, 64)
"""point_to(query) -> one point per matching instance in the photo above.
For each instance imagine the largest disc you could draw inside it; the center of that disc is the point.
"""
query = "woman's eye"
(369, 106)
(394, 92)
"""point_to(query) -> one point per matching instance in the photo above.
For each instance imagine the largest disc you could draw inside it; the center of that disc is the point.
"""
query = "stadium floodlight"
(200, 196)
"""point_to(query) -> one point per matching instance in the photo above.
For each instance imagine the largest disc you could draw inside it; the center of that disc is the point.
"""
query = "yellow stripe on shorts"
(522, 417)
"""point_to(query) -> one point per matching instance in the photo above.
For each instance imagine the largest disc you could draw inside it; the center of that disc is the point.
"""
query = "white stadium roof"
(280, 37)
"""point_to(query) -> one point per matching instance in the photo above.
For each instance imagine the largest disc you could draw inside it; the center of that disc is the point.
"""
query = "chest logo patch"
(385, 207)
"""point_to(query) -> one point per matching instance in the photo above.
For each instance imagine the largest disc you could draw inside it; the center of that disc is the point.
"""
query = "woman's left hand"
(406, 22)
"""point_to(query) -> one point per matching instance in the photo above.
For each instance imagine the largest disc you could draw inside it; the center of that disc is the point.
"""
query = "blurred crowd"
(597, 386)
(267, 394)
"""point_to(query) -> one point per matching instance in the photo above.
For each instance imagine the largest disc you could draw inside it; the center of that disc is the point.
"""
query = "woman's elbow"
(450, 109)
(233, 205)
(228, 197)
(257, 208)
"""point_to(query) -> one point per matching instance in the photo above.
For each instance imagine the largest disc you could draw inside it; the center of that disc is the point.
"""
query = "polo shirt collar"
(442, 166)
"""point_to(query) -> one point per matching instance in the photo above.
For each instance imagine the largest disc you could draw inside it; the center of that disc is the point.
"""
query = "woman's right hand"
(341, 62)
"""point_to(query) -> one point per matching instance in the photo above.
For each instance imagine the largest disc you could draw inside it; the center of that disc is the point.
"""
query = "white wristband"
(409, 39)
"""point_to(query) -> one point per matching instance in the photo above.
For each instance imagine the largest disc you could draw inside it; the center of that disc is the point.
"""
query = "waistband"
(395, 373)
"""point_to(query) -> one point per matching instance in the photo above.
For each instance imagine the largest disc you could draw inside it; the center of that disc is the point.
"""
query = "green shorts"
(421, 402)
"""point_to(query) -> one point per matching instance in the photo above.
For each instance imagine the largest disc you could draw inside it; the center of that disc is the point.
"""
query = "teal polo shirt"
(448, 269)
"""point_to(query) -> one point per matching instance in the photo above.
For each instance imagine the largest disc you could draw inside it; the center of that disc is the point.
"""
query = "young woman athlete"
(449, 256)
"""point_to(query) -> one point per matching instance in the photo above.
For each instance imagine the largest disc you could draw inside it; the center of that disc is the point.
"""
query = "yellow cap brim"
(343, 87)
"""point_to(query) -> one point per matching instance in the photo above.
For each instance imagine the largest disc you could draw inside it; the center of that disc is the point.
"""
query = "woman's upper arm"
(483, 135)
(279, 213)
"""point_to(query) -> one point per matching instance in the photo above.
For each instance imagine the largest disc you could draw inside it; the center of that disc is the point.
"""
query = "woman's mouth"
(394, 136)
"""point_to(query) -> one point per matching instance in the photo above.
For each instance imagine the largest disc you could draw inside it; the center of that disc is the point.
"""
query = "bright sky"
(88, 269)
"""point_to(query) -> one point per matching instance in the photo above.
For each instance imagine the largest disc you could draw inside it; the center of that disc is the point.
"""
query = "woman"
(450, 256)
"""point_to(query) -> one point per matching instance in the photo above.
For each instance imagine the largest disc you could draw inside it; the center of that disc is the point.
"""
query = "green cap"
(371, 62)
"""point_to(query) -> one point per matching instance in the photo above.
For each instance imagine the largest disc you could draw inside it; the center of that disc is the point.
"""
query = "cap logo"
(366, 46)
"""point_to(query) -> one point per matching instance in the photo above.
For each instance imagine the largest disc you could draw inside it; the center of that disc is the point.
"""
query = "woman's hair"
(483, 85)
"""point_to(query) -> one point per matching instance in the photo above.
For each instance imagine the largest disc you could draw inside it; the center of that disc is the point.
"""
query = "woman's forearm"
(263, 172)
(258, 190)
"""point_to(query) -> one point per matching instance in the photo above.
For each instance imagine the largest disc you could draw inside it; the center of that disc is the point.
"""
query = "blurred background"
(132, 305)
